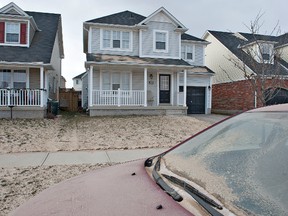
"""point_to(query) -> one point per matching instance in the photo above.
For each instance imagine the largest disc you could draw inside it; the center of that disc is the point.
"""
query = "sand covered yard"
(79, 132)
(74, 133)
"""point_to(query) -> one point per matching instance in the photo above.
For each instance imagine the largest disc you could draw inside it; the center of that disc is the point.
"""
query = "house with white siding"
(232, 54)
(31, 51)
(144, 65)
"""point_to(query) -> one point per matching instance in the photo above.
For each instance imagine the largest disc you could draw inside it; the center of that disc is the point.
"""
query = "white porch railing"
(21, 97)
(118, 98)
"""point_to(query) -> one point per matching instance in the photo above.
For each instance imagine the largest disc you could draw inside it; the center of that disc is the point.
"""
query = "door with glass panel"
(164, 88)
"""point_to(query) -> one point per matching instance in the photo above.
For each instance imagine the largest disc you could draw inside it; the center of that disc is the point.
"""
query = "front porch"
(22, 103)
(143, 86)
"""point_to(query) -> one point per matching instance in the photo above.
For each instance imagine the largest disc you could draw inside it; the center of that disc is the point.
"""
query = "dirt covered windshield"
(242, 161)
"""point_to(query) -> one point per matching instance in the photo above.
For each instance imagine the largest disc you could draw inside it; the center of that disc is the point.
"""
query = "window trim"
(6, 32)
(11, 84)
(111, 48)
(166, 41)
(185, 52)
(111, 79)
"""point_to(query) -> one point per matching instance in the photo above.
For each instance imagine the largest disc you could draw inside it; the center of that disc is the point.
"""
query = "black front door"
(164, 88)
(196, 100)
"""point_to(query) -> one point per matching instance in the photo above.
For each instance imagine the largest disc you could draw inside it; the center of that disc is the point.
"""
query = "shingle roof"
(135, 59)
(79, 76)
(123, 18)
(232, 42)
(42, 44)
(282, 39)
(129, 18)
(190, 37)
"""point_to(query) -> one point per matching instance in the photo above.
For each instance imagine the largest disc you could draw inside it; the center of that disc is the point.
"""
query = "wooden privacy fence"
(68, 100)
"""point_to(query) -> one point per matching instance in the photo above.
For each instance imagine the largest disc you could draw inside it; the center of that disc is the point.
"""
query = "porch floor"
(136, 110)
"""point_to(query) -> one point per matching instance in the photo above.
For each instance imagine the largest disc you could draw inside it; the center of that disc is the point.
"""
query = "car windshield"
(243, 162)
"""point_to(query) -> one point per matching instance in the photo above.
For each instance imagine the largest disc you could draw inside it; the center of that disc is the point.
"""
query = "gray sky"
(196, 15)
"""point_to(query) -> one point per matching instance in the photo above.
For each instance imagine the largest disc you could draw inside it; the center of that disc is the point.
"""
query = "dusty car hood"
(108, 191)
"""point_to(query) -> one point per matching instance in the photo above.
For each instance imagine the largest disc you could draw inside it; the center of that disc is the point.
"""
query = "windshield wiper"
(201, 198)
(159, 180)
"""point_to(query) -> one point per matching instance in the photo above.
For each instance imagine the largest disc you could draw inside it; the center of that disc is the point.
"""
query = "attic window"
(12, 32)
(266, 52)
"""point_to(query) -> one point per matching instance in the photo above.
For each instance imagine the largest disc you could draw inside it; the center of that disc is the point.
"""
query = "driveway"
(210, 118)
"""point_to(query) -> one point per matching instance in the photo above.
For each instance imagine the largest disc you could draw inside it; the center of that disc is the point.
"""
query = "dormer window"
(12, 32)
(266, 52)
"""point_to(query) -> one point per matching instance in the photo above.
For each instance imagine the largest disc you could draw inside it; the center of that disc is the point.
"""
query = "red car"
(237, 167)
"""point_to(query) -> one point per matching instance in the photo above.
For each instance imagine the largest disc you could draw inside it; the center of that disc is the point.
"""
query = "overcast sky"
(196, 15)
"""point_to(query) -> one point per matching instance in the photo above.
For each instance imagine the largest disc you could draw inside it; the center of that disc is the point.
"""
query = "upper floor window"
(266, 51)
(160, 41)
(12, 32)
(116, 40)
(187, 52)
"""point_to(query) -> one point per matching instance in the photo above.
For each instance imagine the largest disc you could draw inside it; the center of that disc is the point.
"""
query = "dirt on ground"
(74, 133)
(78, 132)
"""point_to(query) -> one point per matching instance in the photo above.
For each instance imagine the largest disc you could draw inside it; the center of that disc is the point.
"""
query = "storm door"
(164, 88)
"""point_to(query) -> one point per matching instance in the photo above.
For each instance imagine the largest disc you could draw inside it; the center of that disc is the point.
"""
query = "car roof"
(273, 108)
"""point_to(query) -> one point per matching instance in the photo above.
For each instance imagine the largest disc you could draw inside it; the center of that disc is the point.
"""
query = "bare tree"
(260, 62)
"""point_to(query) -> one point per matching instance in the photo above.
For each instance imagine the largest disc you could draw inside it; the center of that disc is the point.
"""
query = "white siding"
(55, 75)
(85, 91)
(95, 43)
(284, 53)
(217, 59)
(77, 87)
(198, 53)
(173, 40)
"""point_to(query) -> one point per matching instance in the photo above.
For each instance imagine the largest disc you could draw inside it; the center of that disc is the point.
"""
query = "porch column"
(41, 86)
(145, 87)
(90, 86)
(185, 89)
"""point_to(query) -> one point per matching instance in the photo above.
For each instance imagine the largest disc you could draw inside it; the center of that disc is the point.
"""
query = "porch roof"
(99, 59)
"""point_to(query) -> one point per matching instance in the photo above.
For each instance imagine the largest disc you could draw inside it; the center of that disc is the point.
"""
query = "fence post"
(119, 98)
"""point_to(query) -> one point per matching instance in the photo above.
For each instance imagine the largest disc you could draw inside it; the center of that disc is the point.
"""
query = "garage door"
(196, 100)
(280, 96)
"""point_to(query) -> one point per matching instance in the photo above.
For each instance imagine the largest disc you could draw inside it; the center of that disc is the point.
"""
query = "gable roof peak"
(12, 9)
(168, 14)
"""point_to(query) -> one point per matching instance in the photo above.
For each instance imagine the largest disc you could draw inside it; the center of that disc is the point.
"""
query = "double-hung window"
(116, 80)
(13, 79)
(12, 32)
(187, 52)
(160, 41)
(5, 78)
(118, 40)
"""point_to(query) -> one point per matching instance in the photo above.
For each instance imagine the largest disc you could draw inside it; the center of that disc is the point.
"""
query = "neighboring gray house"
(31, 51)
(144, 65)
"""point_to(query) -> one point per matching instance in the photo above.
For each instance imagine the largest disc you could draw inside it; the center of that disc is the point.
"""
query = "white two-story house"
(144, 65)
(31, 53)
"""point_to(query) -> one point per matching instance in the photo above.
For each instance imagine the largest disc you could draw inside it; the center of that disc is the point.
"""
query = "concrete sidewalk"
(75, 157)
